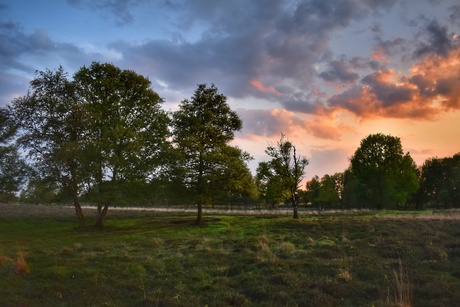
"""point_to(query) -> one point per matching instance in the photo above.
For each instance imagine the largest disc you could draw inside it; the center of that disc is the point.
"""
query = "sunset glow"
(324, 73)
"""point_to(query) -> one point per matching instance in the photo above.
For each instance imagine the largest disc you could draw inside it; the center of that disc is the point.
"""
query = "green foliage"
(40, 192)
(8, 128)
(102, 130)
(126, 125)
(52, 124)
(440, 182)
(284, 172)
(202, 128)
(13, 168)
(382, 174)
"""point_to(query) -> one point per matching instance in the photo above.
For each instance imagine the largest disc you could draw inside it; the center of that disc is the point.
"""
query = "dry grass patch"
(264, 252)
(20, 266)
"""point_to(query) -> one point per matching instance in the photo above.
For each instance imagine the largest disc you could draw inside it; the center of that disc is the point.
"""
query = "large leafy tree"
(52, 123)
(126, 129)
(289, 167)
(202, 129)
(382, 174)
(13, 168)
(99, 133)
(440, 182)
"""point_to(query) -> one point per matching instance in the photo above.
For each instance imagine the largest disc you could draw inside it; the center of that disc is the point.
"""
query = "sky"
(326, 74)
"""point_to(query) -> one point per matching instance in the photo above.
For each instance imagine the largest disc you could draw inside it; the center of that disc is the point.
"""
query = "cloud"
(239, 42)
(381, 84)
(437, 41)
(267, 123)
(339, 71)
(269, 89)
(119, 8)
(303, 102)
(37, 44)
(454, 17)
(432, 86)
(387, 48)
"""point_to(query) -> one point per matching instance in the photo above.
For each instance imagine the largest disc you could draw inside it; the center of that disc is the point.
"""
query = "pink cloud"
(270, 89)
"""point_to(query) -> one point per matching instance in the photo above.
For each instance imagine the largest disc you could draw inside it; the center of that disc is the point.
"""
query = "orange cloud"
(432, 86)
(270, 89)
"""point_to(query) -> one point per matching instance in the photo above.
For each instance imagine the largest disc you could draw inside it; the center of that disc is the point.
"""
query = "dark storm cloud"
(339, 71)
(437, 40)
(119, 8)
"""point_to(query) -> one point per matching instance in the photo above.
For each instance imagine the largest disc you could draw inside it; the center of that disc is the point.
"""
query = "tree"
(313, 189)
(289, 167)
(232, 181)
(202, 128)
(93, 134)
(52, 124)
(13, 168)
(270, 185)
(329, 192)
(440, 181)
(126, 129)
(382, 173)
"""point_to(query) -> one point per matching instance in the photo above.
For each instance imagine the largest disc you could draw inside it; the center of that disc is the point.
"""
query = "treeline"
(101, 137)
(380, 176)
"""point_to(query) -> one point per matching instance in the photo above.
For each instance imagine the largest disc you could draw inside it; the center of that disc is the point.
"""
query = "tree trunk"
(76, 204)
(296, 213)
(101, 214)
(79, 212)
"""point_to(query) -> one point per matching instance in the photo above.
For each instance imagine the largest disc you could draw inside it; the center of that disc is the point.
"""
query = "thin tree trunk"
(76, 204)
(101, 215)
(79, 212)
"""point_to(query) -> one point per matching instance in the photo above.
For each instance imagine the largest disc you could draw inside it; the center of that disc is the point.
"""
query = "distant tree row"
(381, 176)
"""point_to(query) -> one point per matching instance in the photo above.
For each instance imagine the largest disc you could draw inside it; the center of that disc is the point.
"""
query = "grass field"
(146, 258)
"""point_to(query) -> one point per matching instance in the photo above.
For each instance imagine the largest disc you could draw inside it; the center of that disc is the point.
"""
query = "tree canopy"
(202, 128)
(287, 168)
(382, 173)
(96, 131)
(13, 169)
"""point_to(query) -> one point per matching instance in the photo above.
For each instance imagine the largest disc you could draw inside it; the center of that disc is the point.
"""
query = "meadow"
(150, 258)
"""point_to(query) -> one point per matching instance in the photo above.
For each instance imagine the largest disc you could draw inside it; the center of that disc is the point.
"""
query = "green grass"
(155, 259)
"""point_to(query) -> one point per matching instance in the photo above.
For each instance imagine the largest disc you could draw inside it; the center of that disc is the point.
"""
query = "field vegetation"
(151, 258)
